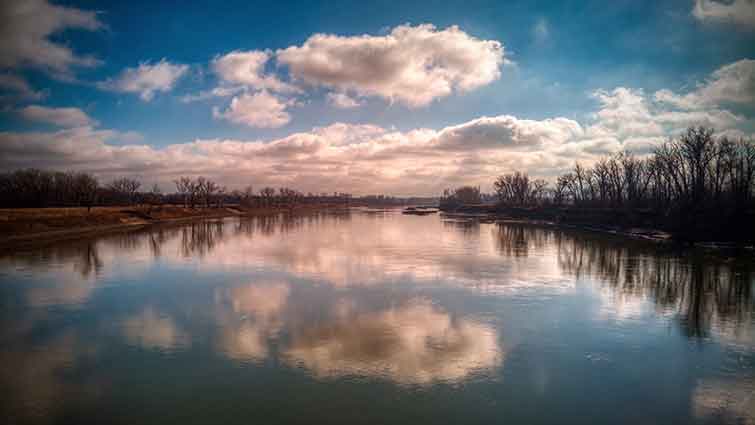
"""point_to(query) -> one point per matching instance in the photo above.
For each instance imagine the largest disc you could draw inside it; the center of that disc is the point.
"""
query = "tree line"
(35, 188)
(695, 184)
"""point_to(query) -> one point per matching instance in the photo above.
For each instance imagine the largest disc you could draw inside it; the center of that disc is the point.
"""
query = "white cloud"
(372, 159)
(740, 12)
(623, 113)
(146, 79)
(258, 110)
(358, 158)
(343, 101)
(247, 68)
(25, 30)
(731, 83)
(626, 113)
(20, 87)
(507, 131)
(412, 65)
(363, 158)
(61, 117)
(242, 72)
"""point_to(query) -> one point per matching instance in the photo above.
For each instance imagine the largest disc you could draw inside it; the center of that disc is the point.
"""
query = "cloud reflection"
(153, 331)
(417, 343)
(33, 380)
(254, 316)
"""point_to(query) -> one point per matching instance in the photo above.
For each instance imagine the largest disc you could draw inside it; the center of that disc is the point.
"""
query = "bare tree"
(460, 196)
(246, 196)
(695, 185)
(518, 189)
(205, 189)
(267, 194)
(126, 188)
(221, 193)
(153, 198)
(188, 189)
(86, 188)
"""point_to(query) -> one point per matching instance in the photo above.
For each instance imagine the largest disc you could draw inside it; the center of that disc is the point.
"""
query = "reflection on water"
(706, 293)
(414, 343)
(413, 302)
(250, 315)
(151, 330)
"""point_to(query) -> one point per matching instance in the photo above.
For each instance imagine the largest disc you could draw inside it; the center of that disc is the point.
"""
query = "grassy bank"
(30, 226)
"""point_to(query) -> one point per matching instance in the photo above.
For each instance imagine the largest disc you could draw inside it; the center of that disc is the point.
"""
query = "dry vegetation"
(25, 226)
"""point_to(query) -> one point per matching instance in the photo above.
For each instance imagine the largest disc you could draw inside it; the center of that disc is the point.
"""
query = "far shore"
(634, 224)
(30, 227)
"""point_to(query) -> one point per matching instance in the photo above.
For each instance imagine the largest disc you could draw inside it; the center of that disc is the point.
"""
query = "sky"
(401, 98)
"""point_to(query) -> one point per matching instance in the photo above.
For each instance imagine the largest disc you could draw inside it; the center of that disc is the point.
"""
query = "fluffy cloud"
(626, 113)
(146, 79)
(256, 110)
(358, 158)
(507, 131)
(623, 112)
(61, 117)
(367, 158)
(248, 69)
(413, 65)
(741, 12)
(732, 83)
(25, 30)
(78, 148)
(242, 72)
(372, 159)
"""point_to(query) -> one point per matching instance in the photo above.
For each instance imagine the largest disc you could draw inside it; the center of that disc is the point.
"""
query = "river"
(374, 317)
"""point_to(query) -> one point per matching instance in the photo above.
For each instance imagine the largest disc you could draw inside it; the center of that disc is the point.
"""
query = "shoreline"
(635, 223)
(634, 233)
(136, 220)
(133, 218)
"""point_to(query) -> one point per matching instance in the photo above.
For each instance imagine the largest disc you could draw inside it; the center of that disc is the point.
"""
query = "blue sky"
(550, 61)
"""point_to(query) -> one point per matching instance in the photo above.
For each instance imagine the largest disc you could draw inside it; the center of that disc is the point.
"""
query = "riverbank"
(635, 224)
(25, 227)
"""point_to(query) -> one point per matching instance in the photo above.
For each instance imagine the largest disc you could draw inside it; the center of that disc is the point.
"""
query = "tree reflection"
(469, 227)
(199, 238)
(83, 257)
(703, 290)
(90, 262)
(514, 240)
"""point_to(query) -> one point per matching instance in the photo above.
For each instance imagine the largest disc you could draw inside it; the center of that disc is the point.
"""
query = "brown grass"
(21, 223)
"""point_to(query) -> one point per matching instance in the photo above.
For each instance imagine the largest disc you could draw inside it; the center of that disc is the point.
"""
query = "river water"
(374, 317)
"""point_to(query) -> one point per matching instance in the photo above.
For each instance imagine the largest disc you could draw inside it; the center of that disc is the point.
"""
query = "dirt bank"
(25, 227)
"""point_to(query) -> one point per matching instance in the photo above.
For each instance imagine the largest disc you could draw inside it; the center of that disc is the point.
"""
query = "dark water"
(374, 318)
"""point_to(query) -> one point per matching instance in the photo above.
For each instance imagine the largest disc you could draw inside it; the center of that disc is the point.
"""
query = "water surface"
(358, 317)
